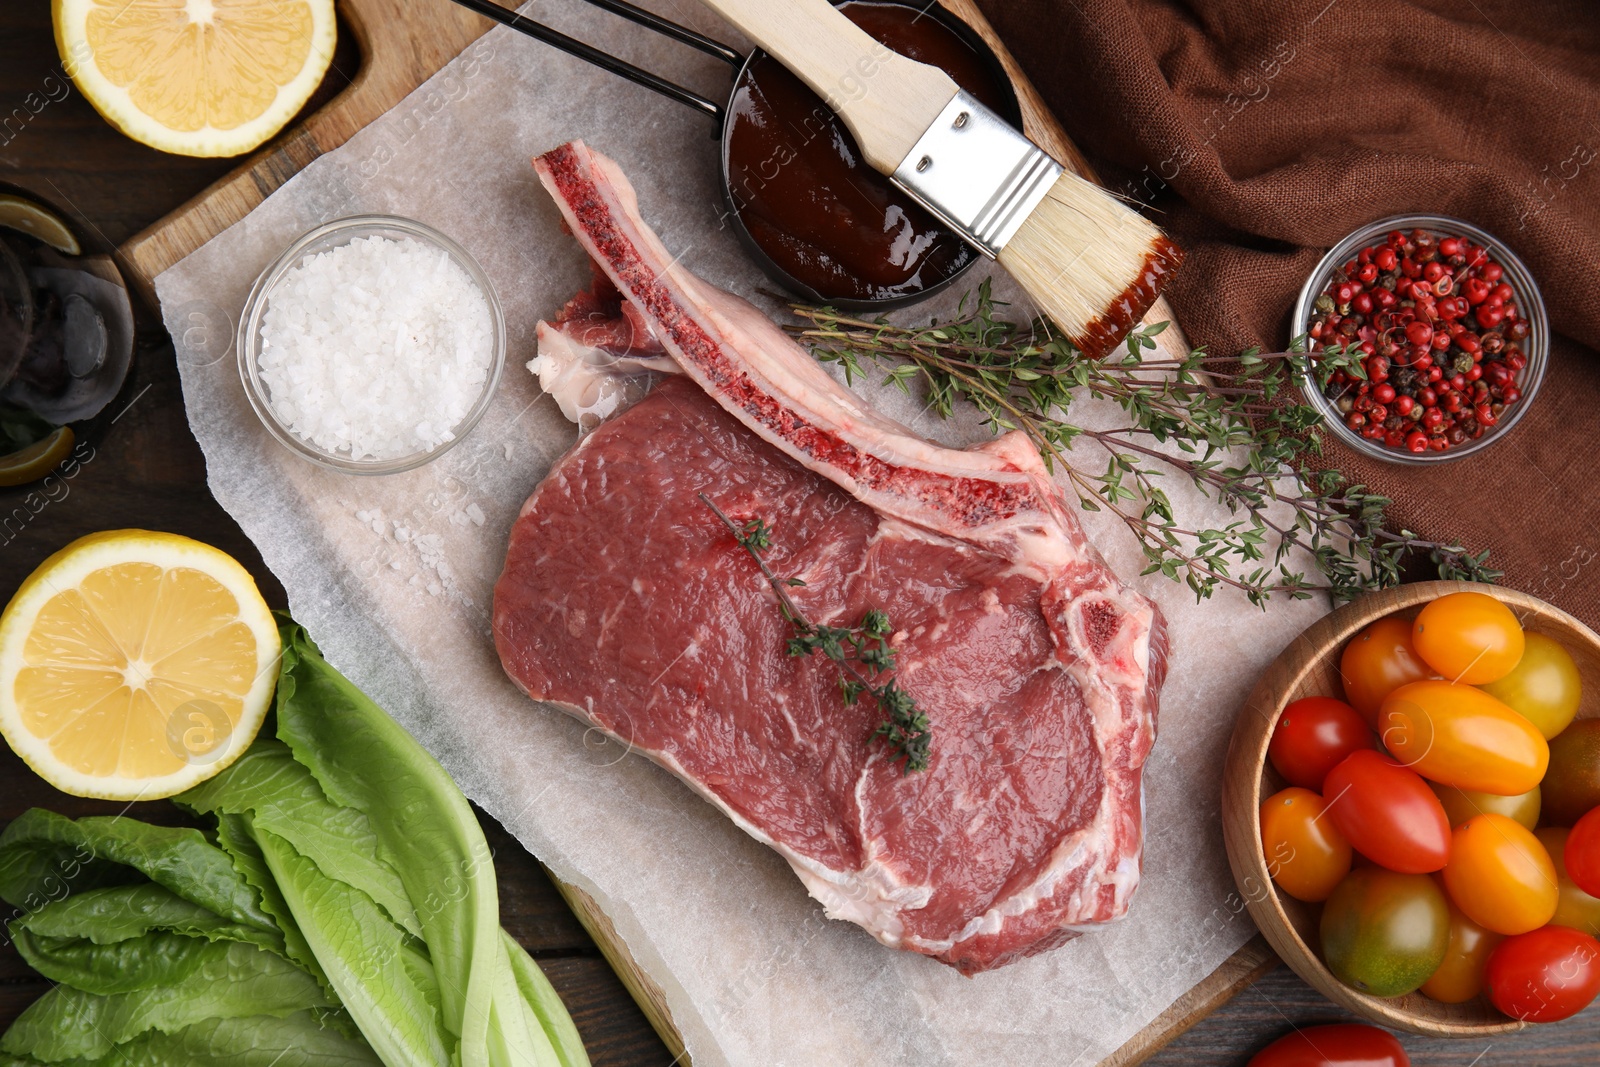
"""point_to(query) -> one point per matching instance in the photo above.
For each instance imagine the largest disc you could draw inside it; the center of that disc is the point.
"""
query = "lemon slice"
(134, 665)
(196, 77)
(33, 220)
(38, 459)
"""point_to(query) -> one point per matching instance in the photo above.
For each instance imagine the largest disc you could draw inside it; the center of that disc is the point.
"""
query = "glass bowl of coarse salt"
(372, 345)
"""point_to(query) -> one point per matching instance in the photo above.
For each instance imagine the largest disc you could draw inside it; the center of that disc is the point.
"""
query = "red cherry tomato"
(1548, 974)
(1376, 662)
(1313, 736)
(1388, 813)
(1583, 853)
(1339, 1045)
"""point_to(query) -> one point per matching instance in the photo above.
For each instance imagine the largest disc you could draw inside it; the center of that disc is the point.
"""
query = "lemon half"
(134, 665)
(196, 77)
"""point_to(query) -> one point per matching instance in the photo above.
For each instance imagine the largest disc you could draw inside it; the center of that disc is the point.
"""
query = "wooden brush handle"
(887, 100)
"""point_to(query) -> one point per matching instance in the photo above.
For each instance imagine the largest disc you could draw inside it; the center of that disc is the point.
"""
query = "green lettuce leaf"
(45, 857)
(280, 795)
(143, 962)
(303, 1039)
(545, 1003)
(426, 831)
(237, 981)
(105, 916)
(233, 835)
(382, 974)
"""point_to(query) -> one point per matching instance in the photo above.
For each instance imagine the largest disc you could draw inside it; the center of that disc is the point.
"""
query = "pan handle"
(605, 61)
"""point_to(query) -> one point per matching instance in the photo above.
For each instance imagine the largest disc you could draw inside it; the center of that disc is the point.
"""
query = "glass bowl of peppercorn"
(1446, 326)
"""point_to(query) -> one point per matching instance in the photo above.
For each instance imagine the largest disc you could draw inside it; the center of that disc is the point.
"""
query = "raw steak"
(625, 602)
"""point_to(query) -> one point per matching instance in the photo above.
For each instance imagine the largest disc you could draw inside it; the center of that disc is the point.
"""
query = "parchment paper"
(393, 577)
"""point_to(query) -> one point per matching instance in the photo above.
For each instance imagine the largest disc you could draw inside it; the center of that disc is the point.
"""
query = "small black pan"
(840, 289)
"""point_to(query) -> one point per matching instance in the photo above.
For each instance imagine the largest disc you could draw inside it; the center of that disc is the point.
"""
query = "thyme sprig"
(863, 653)
(1232, 426)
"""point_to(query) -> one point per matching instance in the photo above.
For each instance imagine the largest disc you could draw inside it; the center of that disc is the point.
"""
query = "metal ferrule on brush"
(977, 173)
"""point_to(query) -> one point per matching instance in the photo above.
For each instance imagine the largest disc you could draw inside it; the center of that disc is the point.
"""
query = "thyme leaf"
(863, 653)
(1228, 425)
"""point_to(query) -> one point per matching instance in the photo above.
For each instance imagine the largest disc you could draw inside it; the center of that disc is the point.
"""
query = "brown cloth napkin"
(1263, 132)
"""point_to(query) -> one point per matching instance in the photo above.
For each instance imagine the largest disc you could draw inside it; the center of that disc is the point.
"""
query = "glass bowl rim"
(249, 338)
(1537, 345)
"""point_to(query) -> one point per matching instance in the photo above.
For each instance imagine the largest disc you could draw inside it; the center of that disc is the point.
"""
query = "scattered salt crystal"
(434, 588)
(508, 451)
(375, 349)
(378, 526)
(475, 513)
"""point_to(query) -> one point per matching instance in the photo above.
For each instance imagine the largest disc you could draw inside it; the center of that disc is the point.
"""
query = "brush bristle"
(1091, 263)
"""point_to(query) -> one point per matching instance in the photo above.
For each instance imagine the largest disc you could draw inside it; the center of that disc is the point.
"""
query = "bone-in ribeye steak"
(625, 602)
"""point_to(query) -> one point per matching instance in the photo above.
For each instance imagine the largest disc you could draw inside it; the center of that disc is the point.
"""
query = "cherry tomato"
(1460, 977)
(1462, 804)
(1306, 854)
(1544, 687)
(1313, 736)
(1385, 933)
(1545, 975)
(1583, 853)
(1468, 637)
(1377, 661)
(1500, 875)
(1388, 813)
(1574, 907)
(1335, 1045)
(1461, 736)
(1572, 785)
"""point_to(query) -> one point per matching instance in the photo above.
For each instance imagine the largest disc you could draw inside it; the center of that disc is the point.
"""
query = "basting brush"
(1091, 263)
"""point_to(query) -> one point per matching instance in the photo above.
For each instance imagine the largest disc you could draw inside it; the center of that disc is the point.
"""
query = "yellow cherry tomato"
(1460, 977)
(1376, 662)
(1543, 688)
(1500, 875)
(1306, 854)
(1461, 736)
(1462, 804)
(1470, 638)
(1574, 907)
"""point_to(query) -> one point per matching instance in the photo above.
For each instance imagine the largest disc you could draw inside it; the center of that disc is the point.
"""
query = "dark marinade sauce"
(808, 199)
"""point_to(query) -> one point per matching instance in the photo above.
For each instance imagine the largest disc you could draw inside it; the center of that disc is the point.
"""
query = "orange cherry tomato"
(1501, 876)
(1388, 813)
(1306, 854)
(1313, 736)
(1460, 977)
(1377, 661)
(1470, 638)
(1462, 804)
(1574, 907)
(1546, 975)
(1461, 736)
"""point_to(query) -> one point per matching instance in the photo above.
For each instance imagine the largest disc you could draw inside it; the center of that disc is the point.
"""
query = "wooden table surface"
(148, 472)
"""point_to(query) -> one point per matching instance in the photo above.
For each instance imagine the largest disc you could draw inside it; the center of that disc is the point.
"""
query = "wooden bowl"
(1310, 667)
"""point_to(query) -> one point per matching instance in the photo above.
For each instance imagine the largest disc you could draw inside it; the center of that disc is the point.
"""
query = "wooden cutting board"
(403, 44)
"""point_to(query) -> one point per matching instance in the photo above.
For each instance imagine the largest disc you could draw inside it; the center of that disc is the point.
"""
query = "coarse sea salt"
(377, 349)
